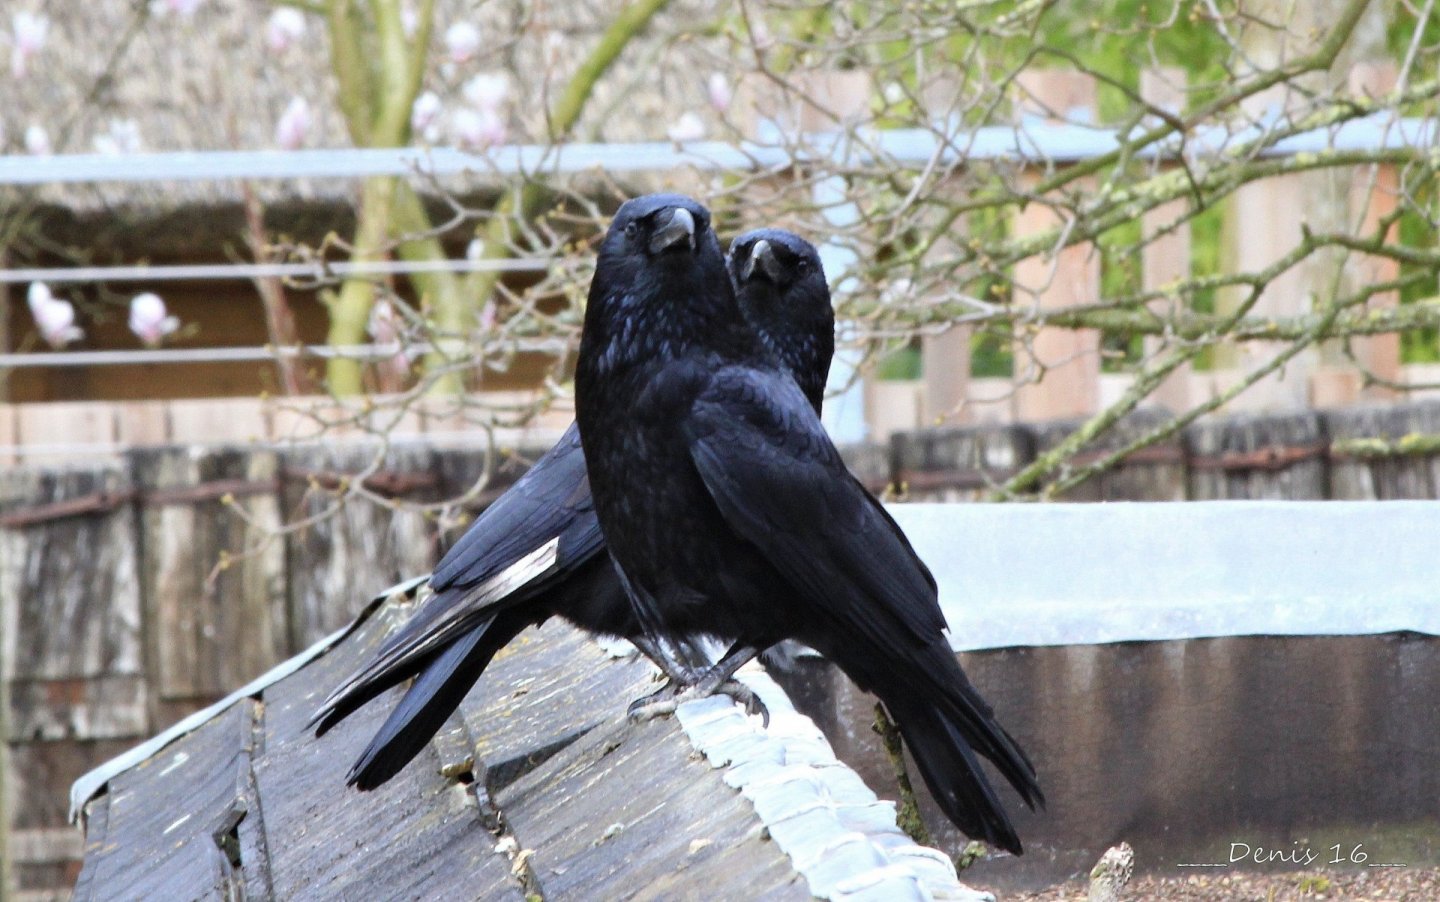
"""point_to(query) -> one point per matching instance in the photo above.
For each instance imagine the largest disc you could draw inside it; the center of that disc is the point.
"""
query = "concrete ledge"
(1056, 574)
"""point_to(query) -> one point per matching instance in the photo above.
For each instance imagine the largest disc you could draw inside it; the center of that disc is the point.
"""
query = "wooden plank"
(9, 435)
(1165, 257)
(216, 625)
(142, 422)
(1057, 371)
(230, 421)
(92, 707)
(68, 587)
(66, 431)
(356, 547)
(419, 836)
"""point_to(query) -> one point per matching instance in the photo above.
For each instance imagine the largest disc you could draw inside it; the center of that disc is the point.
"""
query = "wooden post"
(1374, 195)
(945, 358)
(1057, 372)
(1165, 258)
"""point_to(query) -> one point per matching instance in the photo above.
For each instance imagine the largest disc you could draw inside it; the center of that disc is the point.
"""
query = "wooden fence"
(124, 607)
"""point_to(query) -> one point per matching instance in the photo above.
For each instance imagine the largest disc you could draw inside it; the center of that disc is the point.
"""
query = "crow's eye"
(631, 230)
(802, 265)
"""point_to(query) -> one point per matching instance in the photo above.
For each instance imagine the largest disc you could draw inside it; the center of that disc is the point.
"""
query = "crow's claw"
(672, 696)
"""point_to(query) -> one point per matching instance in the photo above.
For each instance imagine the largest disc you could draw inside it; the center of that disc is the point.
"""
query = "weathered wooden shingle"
(539, 786)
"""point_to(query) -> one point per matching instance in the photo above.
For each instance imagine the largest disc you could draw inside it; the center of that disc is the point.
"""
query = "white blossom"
(487, 91)
(37, 141)
(409, 18)
(553, 50)
(688, 127)
(30, 31)
(475, 250)
(462, 41)
(123, 136)
(425, 116)
(477, 128)
(294, 125)
(53, 317)
(718, 88)
(149, 319)
(284, 29)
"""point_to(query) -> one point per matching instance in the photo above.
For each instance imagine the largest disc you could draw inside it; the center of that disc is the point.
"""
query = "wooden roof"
(538, 787)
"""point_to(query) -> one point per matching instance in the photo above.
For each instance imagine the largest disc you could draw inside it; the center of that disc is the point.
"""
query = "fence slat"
(1385, 477)
(1156, 473)
(337, 563)
(213, 628)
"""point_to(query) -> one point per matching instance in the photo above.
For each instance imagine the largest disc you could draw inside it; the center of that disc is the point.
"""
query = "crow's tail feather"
(952, 772)
(945, 723)
(433, 697)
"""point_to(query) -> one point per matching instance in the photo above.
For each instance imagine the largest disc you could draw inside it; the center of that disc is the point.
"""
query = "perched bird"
(537, 551)
(729, 513)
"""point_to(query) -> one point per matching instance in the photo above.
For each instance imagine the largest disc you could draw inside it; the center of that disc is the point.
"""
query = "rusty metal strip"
(934, 480)
(1154, 454)
(213, 490)
(392, 483)
(93, 503)
(1276, 457)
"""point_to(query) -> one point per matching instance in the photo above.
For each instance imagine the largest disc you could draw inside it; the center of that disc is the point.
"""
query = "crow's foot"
(672, 696)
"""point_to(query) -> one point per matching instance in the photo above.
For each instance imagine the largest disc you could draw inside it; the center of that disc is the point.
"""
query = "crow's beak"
(679, 227)
(762, 257)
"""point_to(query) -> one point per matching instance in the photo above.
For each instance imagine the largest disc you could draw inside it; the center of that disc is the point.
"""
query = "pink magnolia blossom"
(37, 141)
(149, 320)
(477, 128)
(284, 29)
(425, 116)
(53, 317)
(294, 125)
(718, 88)
(688, 127)
(387, 328)
(30, 30)
(487, 91)
(462, 42)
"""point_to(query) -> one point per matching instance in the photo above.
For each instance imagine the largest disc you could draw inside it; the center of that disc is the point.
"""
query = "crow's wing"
(780, 484)
(533, 536)
(871, 603)
(544, 503)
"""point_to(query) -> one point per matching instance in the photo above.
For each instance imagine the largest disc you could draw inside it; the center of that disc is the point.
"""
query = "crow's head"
(657, 226)
(782, 293)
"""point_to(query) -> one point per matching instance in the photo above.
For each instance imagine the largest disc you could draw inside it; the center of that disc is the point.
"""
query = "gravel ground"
(1397, 885)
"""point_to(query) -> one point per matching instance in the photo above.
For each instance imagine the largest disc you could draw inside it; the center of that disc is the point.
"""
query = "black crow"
(729, 512)
(537, 551)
